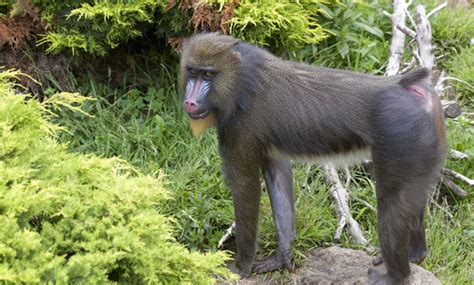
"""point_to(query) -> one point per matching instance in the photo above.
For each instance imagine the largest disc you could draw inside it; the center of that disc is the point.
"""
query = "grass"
(146, 129)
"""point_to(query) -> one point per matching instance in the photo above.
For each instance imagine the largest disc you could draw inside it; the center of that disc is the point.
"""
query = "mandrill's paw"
(378, 278)
(414, 256)
(243, 269)
(377, 260)
(274, 262)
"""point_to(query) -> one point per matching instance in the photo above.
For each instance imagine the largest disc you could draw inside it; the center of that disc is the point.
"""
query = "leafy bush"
(76, 218)
(283, 25)
(96, 27)
(358, 37)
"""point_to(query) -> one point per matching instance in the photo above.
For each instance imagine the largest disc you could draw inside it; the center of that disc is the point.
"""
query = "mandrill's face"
(208, 74)
(199, 81)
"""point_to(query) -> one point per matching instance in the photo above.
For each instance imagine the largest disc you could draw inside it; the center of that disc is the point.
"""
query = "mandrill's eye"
(193, 71)
(209, 74)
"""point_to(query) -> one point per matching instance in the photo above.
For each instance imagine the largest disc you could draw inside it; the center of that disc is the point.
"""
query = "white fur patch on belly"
(336, 159)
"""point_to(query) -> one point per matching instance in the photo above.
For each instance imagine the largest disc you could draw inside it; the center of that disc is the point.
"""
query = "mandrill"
(269, 111)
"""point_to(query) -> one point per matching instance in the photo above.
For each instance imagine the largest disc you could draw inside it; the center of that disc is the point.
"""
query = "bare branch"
(457, 155)
(348, 177)
(341, 195)
(442, 209)
(469, 115)
(226, 236)
(398, 37)
(437, 9)
(454, 188)
(459, 80)
(410, 17)
(416, 55)
(387, 14)
(424, 37)
(453, 174)
(409, 66)
(440, 84)
(407, 31)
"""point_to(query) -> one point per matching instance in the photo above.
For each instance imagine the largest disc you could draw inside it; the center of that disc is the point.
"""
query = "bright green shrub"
(283, 25)
(102, 25)
(75, 218)
(96, 27)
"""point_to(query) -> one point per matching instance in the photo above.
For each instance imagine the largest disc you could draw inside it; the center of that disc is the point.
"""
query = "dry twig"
(457, 155)
(454, 175)
(437, 9)
(341, 195)
(398, 38)
(226, 236)
(454, 188)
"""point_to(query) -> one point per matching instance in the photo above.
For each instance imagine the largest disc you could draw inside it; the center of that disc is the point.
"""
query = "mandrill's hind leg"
(278, 177)
(402, 195)
(417, 250)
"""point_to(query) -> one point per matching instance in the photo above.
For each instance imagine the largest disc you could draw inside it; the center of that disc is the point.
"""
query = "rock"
(336, 265)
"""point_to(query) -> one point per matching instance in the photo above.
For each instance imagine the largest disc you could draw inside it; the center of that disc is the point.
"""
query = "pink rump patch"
(417, 90)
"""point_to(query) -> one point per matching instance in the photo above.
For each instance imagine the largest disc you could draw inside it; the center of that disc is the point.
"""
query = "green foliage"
(282, 25)
(451, 239)
(103, 25)
(142, 122)
(5, 5)
(461, 137)
(54, 10)
(96, 27)
(74, 41)
(462, 67)
(358, 37)
(452, 29)
(76, 218)
(148, 129)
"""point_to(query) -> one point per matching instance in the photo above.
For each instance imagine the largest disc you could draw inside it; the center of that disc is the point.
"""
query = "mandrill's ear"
(183, 45)
(237, 55)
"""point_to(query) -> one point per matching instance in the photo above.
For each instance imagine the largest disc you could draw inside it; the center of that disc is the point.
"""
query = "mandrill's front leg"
(279, 181)
(245, 186)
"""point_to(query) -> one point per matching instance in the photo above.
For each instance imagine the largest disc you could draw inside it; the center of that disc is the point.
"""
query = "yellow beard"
(200, 126)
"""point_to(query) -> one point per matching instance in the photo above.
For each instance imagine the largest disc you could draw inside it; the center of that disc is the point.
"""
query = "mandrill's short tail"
(414, 77)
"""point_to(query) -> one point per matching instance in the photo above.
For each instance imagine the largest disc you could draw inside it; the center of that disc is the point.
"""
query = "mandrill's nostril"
(190, 106)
